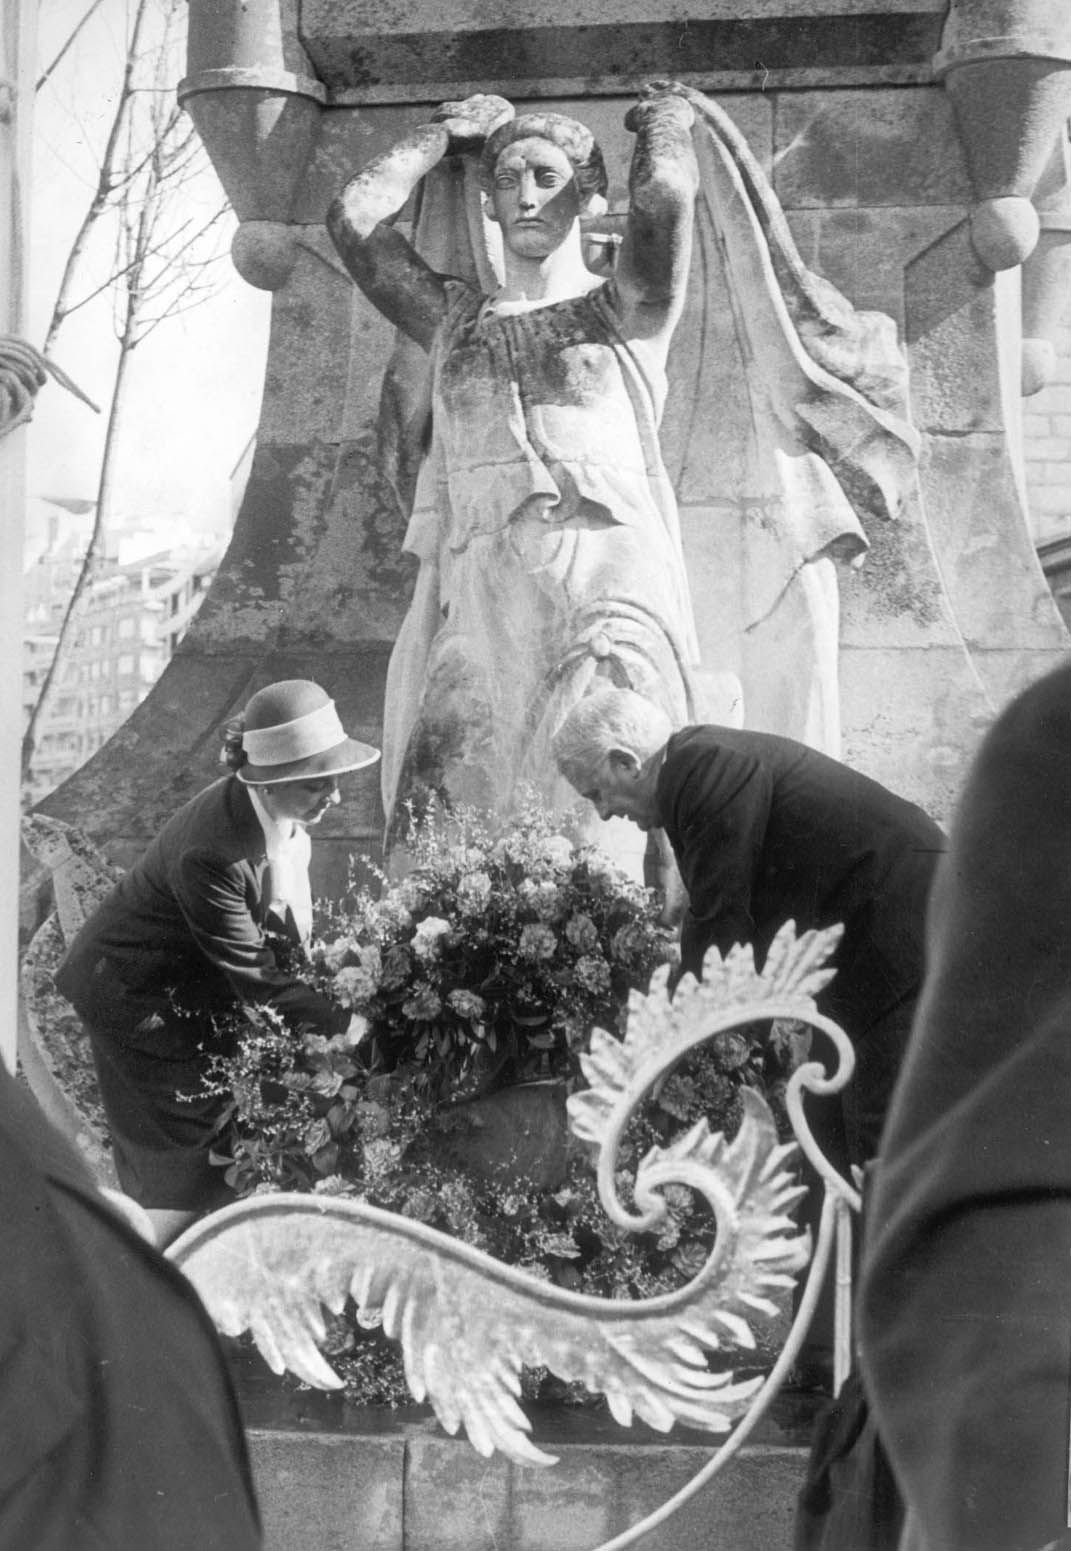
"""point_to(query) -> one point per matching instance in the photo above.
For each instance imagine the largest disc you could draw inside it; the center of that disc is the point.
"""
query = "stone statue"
(543, 518)
(539, 505)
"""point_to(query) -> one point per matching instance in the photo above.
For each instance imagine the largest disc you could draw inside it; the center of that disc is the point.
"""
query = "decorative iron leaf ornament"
(661, 1031)
(467, 1323)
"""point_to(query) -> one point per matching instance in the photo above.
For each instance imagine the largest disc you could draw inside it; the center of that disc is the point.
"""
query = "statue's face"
(534, 197)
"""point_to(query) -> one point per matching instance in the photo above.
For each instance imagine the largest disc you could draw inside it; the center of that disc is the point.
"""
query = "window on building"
(127, 626)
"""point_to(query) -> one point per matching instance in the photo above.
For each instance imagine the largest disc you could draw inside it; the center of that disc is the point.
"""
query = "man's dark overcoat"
(766, 830)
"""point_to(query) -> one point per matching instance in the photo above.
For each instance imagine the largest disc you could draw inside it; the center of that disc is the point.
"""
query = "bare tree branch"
(163, 258)
(71, 38)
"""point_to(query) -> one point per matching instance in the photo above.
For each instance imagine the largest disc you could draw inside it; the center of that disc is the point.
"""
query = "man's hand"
(469, 123)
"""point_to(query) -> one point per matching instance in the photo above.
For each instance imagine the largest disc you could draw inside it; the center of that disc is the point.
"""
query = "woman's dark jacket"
(182, 937)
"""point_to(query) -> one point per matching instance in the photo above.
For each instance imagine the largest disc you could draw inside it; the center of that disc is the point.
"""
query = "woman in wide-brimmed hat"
(187, 934)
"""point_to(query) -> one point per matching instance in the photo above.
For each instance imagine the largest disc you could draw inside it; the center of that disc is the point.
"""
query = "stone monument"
(917, 151)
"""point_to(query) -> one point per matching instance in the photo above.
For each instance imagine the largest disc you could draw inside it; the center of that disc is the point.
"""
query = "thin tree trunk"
(101, 524)
(99, 202)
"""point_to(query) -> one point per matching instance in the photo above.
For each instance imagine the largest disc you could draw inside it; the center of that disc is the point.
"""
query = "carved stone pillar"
(1006, 64)
(256, 103)
(1046, 292)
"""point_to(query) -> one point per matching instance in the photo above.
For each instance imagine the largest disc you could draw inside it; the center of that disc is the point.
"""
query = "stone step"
(343, 1478)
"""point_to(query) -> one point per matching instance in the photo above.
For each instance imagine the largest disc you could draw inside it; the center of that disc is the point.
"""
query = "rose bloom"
(426, 938)
(537, 942)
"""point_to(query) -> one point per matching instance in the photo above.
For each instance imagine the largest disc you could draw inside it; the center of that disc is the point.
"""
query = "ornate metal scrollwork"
(467, 1324)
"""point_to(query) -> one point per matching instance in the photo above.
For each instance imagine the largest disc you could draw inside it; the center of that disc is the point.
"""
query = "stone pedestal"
(346, 1479)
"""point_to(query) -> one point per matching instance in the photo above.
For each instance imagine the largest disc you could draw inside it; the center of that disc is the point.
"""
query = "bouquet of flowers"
(495, 957)
(486, 967)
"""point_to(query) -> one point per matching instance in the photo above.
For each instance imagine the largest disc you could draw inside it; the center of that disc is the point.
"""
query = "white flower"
(582, 932)
(537, 942)
(409, 895)
(467, 1003)
(473, 892)
(333, 954)
(558, 851)
(543, 898)
(427, 939)
(371, 960)
(352, 985)
(356, 1030)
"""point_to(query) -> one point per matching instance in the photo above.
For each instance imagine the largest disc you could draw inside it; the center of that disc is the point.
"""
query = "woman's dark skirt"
(151, 1057)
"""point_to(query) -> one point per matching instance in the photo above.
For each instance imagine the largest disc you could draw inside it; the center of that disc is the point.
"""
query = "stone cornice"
(447, 48)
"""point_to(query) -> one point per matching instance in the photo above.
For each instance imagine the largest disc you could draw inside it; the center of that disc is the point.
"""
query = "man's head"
(539, 172)
(609, 748)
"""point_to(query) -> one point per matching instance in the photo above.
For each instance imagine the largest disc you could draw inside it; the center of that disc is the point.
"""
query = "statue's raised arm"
(384, 264)
(652, 268)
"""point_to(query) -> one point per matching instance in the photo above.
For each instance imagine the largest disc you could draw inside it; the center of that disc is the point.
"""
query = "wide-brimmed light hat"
(291, 732)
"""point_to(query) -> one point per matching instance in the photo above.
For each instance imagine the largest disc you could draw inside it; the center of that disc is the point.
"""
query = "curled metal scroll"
(467, 1324)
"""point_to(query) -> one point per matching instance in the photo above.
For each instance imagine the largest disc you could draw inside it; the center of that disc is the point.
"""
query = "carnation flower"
(582, 932)
(389, 914)
(467, 1004)
(421, 1205)
(474, 892)
(600, 868)
(379, 1157)
(543, 898)
(558, 851)
(353, 985)
(410, 894)
(428, 935)
(333, 955)
(593, 974)
(397, 967)
(537, 942)
(373, 1119)
(423, 1005)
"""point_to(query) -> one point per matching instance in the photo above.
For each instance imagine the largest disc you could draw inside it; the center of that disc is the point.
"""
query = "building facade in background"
(128, 624)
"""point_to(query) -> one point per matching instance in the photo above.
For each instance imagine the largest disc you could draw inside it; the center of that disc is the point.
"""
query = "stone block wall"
(1047, 448)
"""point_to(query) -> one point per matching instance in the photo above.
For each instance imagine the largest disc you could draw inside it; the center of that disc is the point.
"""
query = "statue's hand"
(655, 98)
(469, 123)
